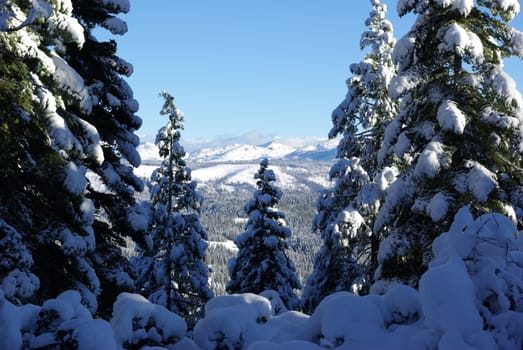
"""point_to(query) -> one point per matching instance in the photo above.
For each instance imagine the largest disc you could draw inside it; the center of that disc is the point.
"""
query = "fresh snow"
(228, 244)
(512, 7)
(480, 181)
(437, 207)
(230, 175)
(476, 267)
(516, 39)
(451, 118)
(430, 161)
(278, 149)
(315, 149)
(61, 19)
(463, 6)
(75, 180)
(463, 42)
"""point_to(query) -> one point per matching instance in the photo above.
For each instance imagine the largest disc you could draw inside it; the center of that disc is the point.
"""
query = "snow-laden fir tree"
(347, 258)
(457, 138)
(113, 122)
(173, 272)
(261, 262)
(43, 204)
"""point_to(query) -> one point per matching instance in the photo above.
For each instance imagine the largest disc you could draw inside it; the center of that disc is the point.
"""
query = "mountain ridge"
(231, 167)
(278, 149)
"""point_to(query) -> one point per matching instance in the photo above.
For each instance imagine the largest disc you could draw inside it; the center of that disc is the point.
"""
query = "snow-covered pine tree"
(45, 201)
(112, 121)
(173, 272)
(457, 139)
(17, 281)
(261, 262)
(346, 213)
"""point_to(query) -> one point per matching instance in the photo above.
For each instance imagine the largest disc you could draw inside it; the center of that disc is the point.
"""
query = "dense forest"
(416, 245)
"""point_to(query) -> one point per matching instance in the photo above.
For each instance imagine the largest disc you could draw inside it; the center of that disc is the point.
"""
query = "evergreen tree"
(44, 207)
(457, 137)
(173, 272)
(346, 213)
(261, 262)
(16, 263)
(114, 122)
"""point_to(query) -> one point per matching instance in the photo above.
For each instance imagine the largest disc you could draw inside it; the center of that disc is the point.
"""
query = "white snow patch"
(463, 42)
(403, 83)
(451, 118)
(134, 316)
(430, 161)
(228, 244)
(437, 207)
(463, 6)
(510, 7)
(516, 39)
(75, 181)
(480, 181)
(69, 80)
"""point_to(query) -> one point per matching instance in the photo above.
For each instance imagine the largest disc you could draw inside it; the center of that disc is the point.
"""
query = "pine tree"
(457, 137)
(113, 122)
(44, 207)
(261, 262)
(173, 272)
(17, 281)
(346, 213)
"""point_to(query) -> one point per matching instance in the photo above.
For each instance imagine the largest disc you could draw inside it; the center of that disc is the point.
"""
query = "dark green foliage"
(262, 263)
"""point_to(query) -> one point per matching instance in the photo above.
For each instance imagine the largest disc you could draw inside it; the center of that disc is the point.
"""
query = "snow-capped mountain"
(298, 165)
(306, 150)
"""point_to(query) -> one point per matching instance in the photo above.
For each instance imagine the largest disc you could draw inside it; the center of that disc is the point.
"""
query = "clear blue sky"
(235, 67)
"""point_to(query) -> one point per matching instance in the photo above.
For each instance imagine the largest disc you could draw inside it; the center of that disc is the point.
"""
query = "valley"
(301, 172)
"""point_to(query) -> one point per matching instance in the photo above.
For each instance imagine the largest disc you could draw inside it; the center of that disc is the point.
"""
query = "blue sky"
(249, 70)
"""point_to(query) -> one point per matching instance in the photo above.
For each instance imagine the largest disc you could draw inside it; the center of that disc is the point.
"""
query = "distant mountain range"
(297, 165)
(317, 150)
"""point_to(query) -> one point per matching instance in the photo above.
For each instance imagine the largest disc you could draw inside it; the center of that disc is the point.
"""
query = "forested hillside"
(224, 196)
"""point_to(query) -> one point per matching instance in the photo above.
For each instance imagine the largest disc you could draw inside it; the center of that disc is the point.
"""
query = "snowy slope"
(297, 166)
(322, 150)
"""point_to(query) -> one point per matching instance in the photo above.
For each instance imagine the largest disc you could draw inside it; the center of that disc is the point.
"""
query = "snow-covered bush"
(63, 323)
(470, 298)
(16, 281)
(238, 320)
(138, 323)
(231, 321)
(472, 293)
(14, 321)
(343, 317)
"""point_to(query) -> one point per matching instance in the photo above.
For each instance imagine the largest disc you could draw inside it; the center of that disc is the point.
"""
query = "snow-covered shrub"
(67, 323)
(400, 305)
(231, 321)
(481, 263)
(343, 317)
(61, 323)
(14, 320)
(277, 305)
(16, 281)
(137, 324)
